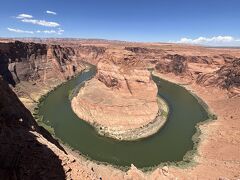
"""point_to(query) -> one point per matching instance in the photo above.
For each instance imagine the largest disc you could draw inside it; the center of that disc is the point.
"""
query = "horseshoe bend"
(119, 90)
(121, 100)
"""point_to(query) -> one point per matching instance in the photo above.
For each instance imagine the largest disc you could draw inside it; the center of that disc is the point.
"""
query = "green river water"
(170, 144)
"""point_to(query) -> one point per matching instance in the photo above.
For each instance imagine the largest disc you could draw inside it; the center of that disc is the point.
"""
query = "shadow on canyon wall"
(4, 71)
(22, 156)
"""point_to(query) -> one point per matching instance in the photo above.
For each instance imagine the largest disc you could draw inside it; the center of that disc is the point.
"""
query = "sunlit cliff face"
(119, 96)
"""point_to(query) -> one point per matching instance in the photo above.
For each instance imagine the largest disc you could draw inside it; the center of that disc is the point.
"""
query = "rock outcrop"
(227, 77)
(23, 61)
(20, 149)
(19, 61)
(120, 98)
(28, 151)
(176, 64)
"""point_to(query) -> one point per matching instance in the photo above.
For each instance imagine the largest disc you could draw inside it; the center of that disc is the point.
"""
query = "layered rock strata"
(28, 61)
(121, 100)
(228, 76)
(26, 154)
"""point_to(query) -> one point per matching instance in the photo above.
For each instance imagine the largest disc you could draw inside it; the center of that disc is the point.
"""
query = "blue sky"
(214, 22)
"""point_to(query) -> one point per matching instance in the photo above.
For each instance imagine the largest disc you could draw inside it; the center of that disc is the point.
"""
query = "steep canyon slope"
(27, 150)
(37, 68)
(34, 67)
(43, 62)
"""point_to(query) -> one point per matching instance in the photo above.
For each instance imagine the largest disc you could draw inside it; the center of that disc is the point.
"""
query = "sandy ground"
(219, 151)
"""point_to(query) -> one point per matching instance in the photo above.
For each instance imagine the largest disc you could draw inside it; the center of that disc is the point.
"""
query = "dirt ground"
(219, 151)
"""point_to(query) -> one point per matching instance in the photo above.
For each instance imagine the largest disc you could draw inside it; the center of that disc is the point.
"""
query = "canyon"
(32, 68)
(114, 100)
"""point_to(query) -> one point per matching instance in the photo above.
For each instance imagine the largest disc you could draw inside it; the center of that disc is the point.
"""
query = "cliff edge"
(121, 100)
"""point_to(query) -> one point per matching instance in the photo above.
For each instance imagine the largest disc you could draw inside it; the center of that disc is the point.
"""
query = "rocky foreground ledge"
(121, 100)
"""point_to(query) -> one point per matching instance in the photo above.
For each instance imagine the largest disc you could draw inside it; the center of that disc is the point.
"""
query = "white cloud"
(41, 22)
(59, 31)
(20, 31)
(26, 18)
(23, 16)
(51, 12)
(212, 41)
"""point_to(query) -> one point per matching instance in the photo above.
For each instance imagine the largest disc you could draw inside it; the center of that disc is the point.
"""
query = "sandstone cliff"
(228, 76)
(27, 150)
(176, 64)
(23, 61)
(121, 97)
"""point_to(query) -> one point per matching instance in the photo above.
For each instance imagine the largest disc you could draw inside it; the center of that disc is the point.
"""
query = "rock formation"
(176, 64)
(27, 151)
(220, 70)
(121, 97)
(228, 76)
(20, 61)
(20, 149)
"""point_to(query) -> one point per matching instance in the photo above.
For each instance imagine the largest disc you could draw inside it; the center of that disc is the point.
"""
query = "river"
(170, 144)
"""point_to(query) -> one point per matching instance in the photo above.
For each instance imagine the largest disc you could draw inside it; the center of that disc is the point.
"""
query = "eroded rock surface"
(121, 97)
(20, 149)
(176, 64)
(27, 61)
(228, 76)
(25, 152)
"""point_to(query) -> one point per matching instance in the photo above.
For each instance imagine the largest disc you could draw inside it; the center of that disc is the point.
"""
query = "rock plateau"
(121, 98)
(36, 66)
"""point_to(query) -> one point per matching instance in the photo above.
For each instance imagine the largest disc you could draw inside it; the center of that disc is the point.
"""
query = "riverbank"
(138, 133)
(114, 101)
(217, 154)
(30, 93)
(193, 170)
(58, 108)
(212, 135)
(218, 150)
(130, 134)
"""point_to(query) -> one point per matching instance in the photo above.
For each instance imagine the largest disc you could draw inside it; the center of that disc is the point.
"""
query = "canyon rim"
(37, 68)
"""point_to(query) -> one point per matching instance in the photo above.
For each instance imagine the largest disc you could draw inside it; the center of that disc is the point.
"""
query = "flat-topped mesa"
(121, 99)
